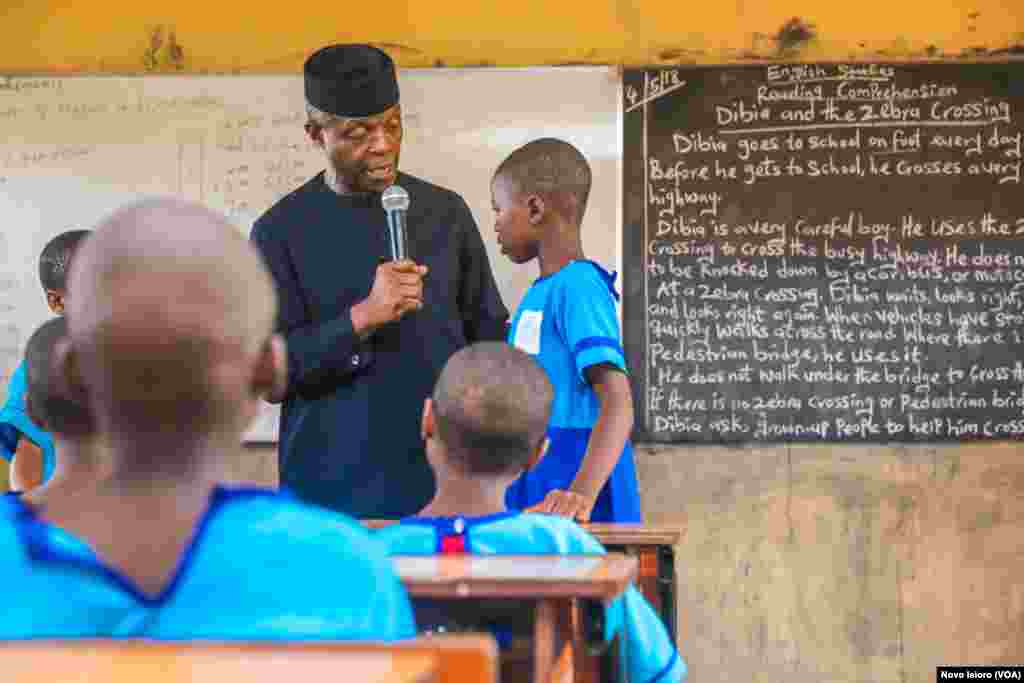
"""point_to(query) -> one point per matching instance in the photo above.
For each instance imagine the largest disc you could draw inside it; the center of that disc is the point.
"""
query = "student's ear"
(315, 133)
(427, 420)
(32, 412)
(270, 380)
(535, 208)
(66, 373)
(538, 454)
(55, 300)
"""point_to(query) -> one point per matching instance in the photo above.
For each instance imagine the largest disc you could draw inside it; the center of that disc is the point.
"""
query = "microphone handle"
(397, 239)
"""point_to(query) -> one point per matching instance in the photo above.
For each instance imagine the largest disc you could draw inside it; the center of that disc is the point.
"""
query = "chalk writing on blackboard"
(656, 85)
(826, 252)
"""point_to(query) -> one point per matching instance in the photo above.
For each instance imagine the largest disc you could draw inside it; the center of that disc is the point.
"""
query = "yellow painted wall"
(801, 563)
(116, 36)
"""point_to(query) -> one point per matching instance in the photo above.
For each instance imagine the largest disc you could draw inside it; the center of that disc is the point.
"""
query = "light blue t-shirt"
(15, 423)
(647, 652)
(567, 321)
(260, 566)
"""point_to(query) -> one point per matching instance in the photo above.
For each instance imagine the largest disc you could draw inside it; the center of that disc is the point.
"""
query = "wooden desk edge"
(204, 660)
(451, 655)
(636, 534)
(606, 582)
(106, 645)
(611, 534)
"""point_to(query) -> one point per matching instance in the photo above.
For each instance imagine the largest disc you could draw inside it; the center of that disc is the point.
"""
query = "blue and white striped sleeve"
(587, 319)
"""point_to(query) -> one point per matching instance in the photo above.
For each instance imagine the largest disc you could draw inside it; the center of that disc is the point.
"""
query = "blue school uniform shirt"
(567, 321)
(15, 423)
(648, 654)
(260, 566)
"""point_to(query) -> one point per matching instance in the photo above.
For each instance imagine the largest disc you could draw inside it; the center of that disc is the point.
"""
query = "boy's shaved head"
(491, 405)
(170, 307)
(47, 404)
(553, 169)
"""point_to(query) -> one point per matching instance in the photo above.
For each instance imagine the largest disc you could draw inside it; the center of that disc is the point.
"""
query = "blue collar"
(45, 542)
(608, 277)
(458, 524)
(456, 528)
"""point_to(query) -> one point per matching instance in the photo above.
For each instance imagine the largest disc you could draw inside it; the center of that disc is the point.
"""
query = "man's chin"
(373, 182)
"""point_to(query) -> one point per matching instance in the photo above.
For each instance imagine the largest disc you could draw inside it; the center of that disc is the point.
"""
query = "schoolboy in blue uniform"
(170, 346)
(24, 443)
(567, 321)
(78, 447)
(485, 423)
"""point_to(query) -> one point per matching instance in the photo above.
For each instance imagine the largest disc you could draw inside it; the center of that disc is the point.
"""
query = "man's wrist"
(361, 323)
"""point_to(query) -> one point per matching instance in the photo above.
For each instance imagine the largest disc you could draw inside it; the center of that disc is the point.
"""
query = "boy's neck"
(149, 461)
(81, 462)
(140, 514)
(467, 497)
(562, 247)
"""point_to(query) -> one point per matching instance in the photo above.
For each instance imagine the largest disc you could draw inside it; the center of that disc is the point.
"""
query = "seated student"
(567, 321)
(77, 446)
(483, 426)
(26, 445)
(170, 346)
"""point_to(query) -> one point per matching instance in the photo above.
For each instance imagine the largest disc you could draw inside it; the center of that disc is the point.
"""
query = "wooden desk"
(135, 662)
(554, 584)
(653, 546)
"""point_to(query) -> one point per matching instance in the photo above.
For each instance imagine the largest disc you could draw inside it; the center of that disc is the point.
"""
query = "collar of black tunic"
(363, 200)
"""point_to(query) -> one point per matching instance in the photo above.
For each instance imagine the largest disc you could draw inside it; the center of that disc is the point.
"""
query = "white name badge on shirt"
(528, 332)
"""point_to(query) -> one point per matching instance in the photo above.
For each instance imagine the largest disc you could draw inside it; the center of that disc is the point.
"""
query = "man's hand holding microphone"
(398, 283)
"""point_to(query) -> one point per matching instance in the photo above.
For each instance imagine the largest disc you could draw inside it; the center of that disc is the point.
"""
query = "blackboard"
(825, 252)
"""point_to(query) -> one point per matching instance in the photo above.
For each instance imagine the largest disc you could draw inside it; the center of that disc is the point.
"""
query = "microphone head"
(395, 198)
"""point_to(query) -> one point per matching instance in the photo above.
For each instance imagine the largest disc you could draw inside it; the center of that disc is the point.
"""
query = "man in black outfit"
(367, 337)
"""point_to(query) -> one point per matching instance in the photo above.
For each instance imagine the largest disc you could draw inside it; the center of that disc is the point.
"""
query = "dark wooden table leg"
(545, 630)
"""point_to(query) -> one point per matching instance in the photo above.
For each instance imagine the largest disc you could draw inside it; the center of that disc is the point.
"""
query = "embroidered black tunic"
(349, 437)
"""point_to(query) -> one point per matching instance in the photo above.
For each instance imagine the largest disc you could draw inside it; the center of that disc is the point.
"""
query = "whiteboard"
(73, 149)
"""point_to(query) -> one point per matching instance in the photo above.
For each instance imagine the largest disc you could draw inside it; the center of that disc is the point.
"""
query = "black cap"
(351, 80)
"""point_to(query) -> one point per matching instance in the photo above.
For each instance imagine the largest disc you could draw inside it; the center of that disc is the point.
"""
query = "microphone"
(396, 203)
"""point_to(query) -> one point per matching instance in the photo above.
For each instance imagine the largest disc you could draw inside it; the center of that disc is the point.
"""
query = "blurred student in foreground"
(170, 346)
